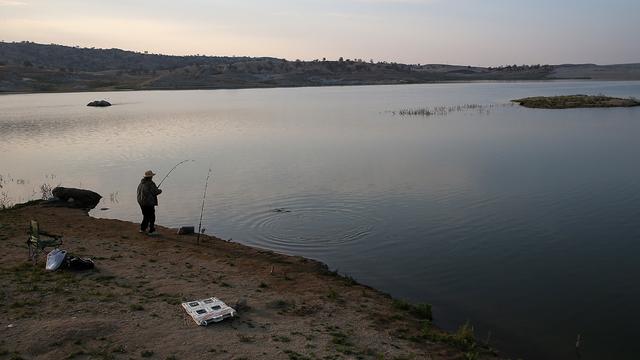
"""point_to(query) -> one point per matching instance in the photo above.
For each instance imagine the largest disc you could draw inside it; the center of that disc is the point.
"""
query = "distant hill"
(31, 67)
(597, 72)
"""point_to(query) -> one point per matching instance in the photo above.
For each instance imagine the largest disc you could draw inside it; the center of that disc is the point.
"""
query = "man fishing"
(148, 199)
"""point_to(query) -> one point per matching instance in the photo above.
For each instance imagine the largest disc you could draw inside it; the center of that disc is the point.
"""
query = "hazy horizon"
(464, 32)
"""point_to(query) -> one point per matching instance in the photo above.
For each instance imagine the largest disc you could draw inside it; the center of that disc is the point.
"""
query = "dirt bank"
(129, 307)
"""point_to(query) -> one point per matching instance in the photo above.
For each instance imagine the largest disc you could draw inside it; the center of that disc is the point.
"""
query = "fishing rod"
(204, 196)
(173, 168)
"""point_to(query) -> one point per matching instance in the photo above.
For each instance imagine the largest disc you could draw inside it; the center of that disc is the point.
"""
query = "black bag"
(76, 263)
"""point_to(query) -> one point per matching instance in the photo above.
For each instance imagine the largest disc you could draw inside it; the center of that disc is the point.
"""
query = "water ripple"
(308, 222)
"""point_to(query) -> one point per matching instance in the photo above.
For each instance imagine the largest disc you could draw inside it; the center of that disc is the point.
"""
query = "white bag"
(55, 258)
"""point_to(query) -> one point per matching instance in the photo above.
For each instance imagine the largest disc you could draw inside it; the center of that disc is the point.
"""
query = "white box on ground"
(207, 311)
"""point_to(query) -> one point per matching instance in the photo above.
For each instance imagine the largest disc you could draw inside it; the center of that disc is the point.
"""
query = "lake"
(522, 221)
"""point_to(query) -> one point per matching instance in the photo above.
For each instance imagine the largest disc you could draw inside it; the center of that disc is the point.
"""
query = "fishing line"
(173, 168)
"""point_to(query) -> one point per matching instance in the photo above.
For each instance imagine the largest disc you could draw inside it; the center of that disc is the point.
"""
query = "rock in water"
(99, 103)
(77, 198)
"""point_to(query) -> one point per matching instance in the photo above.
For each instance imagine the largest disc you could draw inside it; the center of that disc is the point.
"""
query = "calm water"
(524, 222)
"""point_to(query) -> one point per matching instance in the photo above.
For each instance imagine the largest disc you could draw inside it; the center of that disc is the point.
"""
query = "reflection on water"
(522, 221)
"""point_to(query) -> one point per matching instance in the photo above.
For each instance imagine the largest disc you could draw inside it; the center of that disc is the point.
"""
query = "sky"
(468, 32)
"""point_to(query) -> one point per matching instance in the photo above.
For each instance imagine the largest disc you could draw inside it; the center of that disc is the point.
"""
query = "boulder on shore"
(77, 198)
(99, 103)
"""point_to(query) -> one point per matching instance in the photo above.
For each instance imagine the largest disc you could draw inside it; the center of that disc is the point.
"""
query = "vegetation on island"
(575, 101)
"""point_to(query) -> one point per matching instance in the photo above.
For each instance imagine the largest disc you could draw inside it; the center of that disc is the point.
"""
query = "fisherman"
(148, 199)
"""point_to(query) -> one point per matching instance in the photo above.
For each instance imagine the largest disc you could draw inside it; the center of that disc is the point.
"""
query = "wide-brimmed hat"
(148, 173)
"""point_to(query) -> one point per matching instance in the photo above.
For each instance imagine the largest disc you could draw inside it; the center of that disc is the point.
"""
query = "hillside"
(31, 67)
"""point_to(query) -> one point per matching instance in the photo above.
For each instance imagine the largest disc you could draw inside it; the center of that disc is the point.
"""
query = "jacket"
(148, 192)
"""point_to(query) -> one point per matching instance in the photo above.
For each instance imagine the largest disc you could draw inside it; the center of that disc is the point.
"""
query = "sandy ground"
(129, 306)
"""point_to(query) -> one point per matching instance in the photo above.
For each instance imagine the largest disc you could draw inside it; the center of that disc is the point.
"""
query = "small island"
(99, 103)
(576, 101)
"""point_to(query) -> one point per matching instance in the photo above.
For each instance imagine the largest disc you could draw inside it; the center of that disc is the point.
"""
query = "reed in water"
(444, 110)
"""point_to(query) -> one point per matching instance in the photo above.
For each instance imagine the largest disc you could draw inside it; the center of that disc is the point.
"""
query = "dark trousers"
(148, 218)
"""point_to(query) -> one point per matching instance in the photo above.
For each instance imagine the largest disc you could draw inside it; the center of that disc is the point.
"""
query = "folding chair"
(40, 240)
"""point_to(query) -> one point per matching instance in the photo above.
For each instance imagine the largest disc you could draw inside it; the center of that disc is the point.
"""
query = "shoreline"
(294, 307)
(2, 93)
